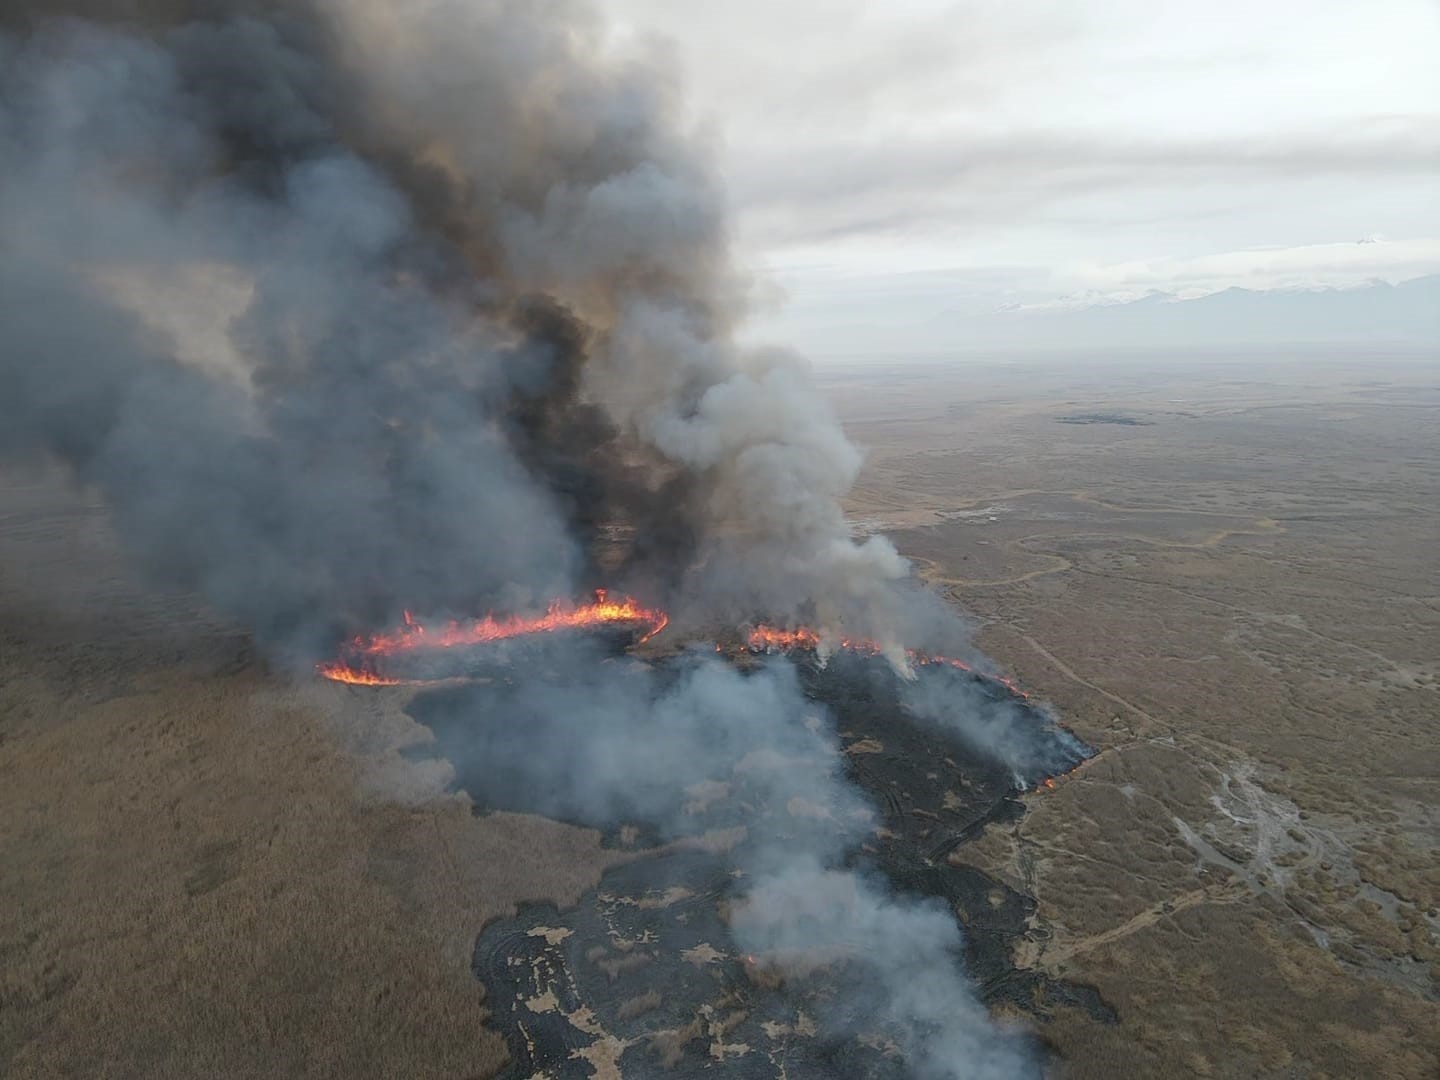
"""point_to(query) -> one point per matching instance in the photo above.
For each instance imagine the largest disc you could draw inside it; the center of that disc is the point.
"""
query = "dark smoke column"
(569, 169)
(348, 306)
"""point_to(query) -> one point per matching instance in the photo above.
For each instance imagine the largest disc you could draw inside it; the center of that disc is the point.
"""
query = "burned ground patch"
(646, 971)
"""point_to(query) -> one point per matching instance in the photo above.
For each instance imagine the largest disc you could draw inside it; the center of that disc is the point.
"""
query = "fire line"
(357, 663)
(771, 639)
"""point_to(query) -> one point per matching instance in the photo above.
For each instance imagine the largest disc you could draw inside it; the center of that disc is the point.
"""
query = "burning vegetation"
(411, 656)
(769, 639)
(418, 655)
(327, 340)
(362, 657)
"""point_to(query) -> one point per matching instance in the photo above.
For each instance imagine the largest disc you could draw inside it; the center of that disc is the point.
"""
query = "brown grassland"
(212, 868)
(1236, 596)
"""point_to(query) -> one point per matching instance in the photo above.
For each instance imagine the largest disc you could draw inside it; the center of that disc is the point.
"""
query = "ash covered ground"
(646, 971)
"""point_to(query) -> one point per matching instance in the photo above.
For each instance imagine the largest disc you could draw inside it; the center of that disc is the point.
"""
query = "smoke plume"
(345, 306)
(697, 744)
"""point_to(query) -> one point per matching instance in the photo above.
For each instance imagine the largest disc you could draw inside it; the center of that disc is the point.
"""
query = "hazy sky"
(915, 156)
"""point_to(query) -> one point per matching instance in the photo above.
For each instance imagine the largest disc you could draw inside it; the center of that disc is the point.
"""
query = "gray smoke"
(999, 728)
(909, 982)
(346, 307)
(612, 742)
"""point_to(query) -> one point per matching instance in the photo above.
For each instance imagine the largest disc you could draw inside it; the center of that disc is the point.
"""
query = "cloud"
(855, 185)
(1359, 290)
(1306, 266)
(844, 120)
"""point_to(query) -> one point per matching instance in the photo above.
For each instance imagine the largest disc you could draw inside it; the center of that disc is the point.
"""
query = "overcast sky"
(917, 156)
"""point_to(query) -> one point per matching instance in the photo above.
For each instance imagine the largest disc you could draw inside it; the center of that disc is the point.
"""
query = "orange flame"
(356, 668)
(354, 676)
(772, 639)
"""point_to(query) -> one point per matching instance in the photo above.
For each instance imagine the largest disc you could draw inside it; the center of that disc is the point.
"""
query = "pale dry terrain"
(210, 868)
(1227, 576)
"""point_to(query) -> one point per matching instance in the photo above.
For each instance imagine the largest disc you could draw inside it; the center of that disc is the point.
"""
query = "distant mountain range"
(1378, 313)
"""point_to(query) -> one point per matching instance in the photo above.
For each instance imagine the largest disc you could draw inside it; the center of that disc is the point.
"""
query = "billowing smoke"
(345, 306)
(698, 745)
(908, 981)
(1002, 728)
(352, 306)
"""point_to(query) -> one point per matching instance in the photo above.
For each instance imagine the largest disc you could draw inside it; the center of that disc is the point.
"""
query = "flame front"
(357, 663)
(354, 676)
(772, 639)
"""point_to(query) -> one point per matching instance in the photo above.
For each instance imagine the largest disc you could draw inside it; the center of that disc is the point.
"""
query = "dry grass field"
(210, 870)
(1227, 576)
(1224, 576)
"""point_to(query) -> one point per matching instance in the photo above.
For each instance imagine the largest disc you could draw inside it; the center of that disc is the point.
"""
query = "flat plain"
(211, 868)
(1225, 574)
(1222, 573)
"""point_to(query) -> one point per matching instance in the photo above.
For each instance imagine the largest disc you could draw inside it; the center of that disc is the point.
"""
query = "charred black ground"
(645, 972)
